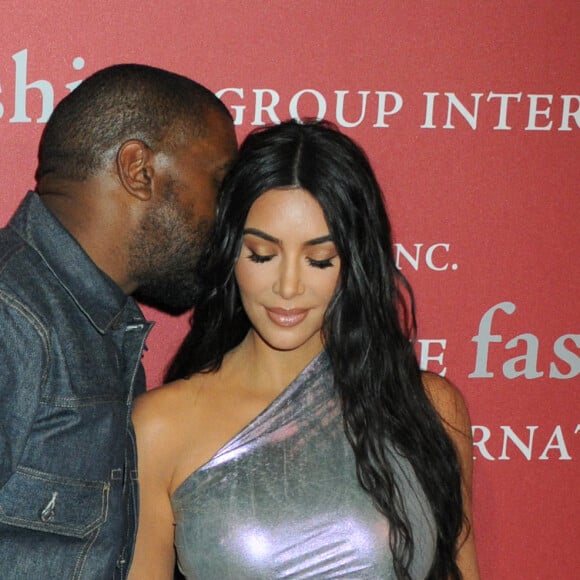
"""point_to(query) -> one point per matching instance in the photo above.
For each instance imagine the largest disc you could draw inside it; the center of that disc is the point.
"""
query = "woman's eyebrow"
(269, 238)
(261, 234)
(320, 240)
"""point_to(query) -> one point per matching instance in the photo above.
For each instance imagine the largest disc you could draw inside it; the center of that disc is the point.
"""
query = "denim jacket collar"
(101, 300)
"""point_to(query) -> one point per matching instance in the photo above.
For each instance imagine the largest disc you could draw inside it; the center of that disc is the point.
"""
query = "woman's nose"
(289, 282)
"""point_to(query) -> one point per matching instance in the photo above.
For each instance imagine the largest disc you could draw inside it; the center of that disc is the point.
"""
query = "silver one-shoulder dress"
(281, 499)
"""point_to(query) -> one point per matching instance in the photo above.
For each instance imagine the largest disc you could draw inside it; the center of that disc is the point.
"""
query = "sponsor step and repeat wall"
(470, 114)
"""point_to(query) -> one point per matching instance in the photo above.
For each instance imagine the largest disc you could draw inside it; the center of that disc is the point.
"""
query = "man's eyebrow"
(269, 238)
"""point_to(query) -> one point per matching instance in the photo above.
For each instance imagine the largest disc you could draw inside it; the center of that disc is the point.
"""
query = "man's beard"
(165, 256)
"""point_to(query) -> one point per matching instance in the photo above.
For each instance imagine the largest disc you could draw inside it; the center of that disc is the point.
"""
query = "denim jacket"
(70, 359)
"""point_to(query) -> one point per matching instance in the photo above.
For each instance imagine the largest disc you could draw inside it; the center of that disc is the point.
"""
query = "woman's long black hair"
(368, 328)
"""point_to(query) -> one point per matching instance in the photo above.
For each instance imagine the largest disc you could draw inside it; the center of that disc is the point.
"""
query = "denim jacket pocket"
(50, 503)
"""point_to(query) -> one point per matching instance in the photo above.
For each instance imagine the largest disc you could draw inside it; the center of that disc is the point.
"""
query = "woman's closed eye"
(260, 258)
(263, 257)
(321, 264)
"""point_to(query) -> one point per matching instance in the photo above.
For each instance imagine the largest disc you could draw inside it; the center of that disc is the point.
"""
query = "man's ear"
(135, 168)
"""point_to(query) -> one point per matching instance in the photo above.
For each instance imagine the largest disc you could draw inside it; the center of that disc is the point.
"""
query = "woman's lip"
(283, 317)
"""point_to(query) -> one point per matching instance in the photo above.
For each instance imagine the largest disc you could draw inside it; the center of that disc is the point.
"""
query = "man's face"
(177, 224)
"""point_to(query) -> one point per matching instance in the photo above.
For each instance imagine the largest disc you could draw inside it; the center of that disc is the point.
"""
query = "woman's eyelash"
(258, 258)
(322, 264)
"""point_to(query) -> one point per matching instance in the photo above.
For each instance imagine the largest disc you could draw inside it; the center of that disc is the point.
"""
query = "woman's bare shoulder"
(448, 402)
(161, 410)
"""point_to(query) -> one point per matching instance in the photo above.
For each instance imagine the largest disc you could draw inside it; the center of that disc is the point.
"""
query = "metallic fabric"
(281, 499)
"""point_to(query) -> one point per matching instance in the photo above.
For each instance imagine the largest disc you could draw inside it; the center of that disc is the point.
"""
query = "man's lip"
(285, 317)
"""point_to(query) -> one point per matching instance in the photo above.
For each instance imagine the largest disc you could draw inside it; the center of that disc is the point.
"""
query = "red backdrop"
(470, 113)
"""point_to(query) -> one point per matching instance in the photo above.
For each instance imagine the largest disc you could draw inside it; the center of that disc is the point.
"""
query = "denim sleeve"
(24, 363)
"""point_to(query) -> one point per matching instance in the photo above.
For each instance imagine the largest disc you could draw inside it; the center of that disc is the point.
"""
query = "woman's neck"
(265, 367)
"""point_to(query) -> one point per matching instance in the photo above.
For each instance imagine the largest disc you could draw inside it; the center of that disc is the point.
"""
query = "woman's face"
(288, 270)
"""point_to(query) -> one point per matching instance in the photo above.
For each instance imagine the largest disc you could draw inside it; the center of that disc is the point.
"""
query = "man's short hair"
(114, 105)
